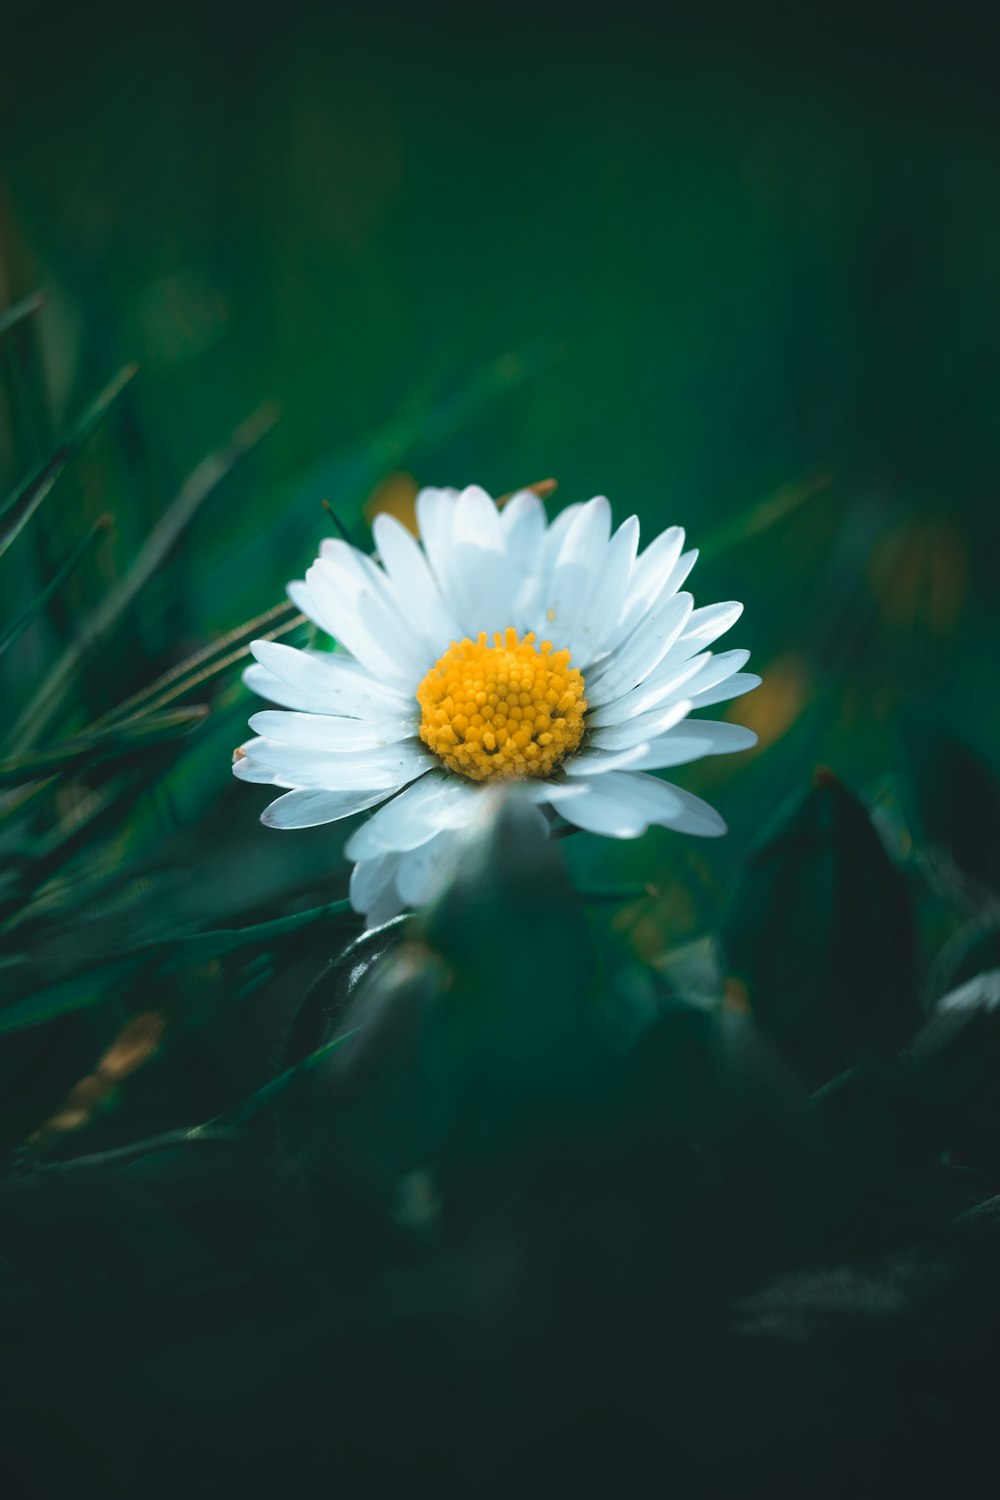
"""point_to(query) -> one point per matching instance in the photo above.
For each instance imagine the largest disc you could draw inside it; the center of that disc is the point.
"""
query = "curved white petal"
(708, 623)
(732, 687)
(416, 592)
(697, 817)
(650, 573)
(679, 572)
(373, 890)
(623, 804)
(468, 555)
(620, 804)
(640, 728)
(638, 656)
(666, 685)
(324, 732)
(438, 801)
(351, 595)
(522, 522)
(330, 683)
(422, 869)
(692, 740)
(585, 593)
(297, 766)
(299, 809)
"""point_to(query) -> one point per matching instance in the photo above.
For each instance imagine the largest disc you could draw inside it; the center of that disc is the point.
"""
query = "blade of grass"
(93, 746)
(164, 955)
(198, 947)
(18, 510)
(173, 684)
(767, 513)
(277, 1086)
(15, 630)
(157, 547)
(19, 312)
(208, 662)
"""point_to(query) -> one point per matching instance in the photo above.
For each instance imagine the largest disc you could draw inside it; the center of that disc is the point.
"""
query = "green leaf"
(18, 510)
(19, 313)
(953, 799)
(87, 749)
(952, 1073)
(819, 938)
(17, 628)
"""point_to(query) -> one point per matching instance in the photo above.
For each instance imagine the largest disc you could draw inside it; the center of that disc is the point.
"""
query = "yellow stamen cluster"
(512, 708)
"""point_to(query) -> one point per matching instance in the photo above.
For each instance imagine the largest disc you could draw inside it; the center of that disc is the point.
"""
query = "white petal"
(718, 666)
(522, 522)
(477, 578)
(364, 770)
(692, 740)
(414, 588)
(708, 623)
(308, 809)
(248, 768)
(330, 683)
(732, 687)
(637, 657)
(663, 687)
(680, 571)
(373, 889)
(596, 761)
(652, 568)
(621, 804)
(436, 510)
(422, 869)
(639, 729)
(438, 801)
(351, 596)
(323, 732)
(588, 584)
(698, 817)
(264, 683)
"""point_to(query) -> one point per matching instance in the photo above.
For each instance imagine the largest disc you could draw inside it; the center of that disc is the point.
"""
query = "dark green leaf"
(819, 937)
(954, 800)
(952, 1071)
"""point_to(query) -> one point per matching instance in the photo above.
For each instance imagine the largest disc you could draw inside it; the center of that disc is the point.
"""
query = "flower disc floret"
(510, 708)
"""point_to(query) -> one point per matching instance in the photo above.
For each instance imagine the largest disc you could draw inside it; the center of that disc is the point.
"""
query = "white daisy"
(497, 646)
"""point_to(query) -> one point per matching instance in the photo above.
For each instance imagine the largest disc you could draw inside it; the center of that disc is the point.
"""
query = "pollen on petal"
(510, 707)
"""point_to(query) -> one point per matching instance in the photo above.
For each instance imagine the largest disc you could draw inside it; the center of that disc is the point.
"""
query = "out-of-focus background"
(734, 266)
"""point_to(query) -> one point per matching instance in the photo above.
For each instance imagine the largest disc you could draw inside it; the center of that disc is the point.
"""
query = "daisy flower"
(497, 647)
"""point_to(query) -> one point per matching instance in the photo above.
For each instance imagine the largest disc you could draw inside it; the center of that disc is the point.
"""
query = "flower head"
(495, 647)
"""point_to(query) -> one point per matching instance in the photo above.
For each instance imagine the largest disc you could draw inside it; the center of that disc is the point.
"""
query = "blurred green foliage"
(613, 1130)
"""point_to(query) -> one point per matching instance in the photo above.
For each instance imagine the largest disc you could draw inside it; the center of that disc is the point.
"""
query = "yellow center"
(507, 709)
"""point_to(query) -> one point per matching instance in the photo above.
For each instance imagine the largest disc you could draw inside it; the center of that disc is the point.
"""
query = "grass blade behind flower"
(161, 541)
(18, 509)
(766, 513)
(17, 627)
(87, 749)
